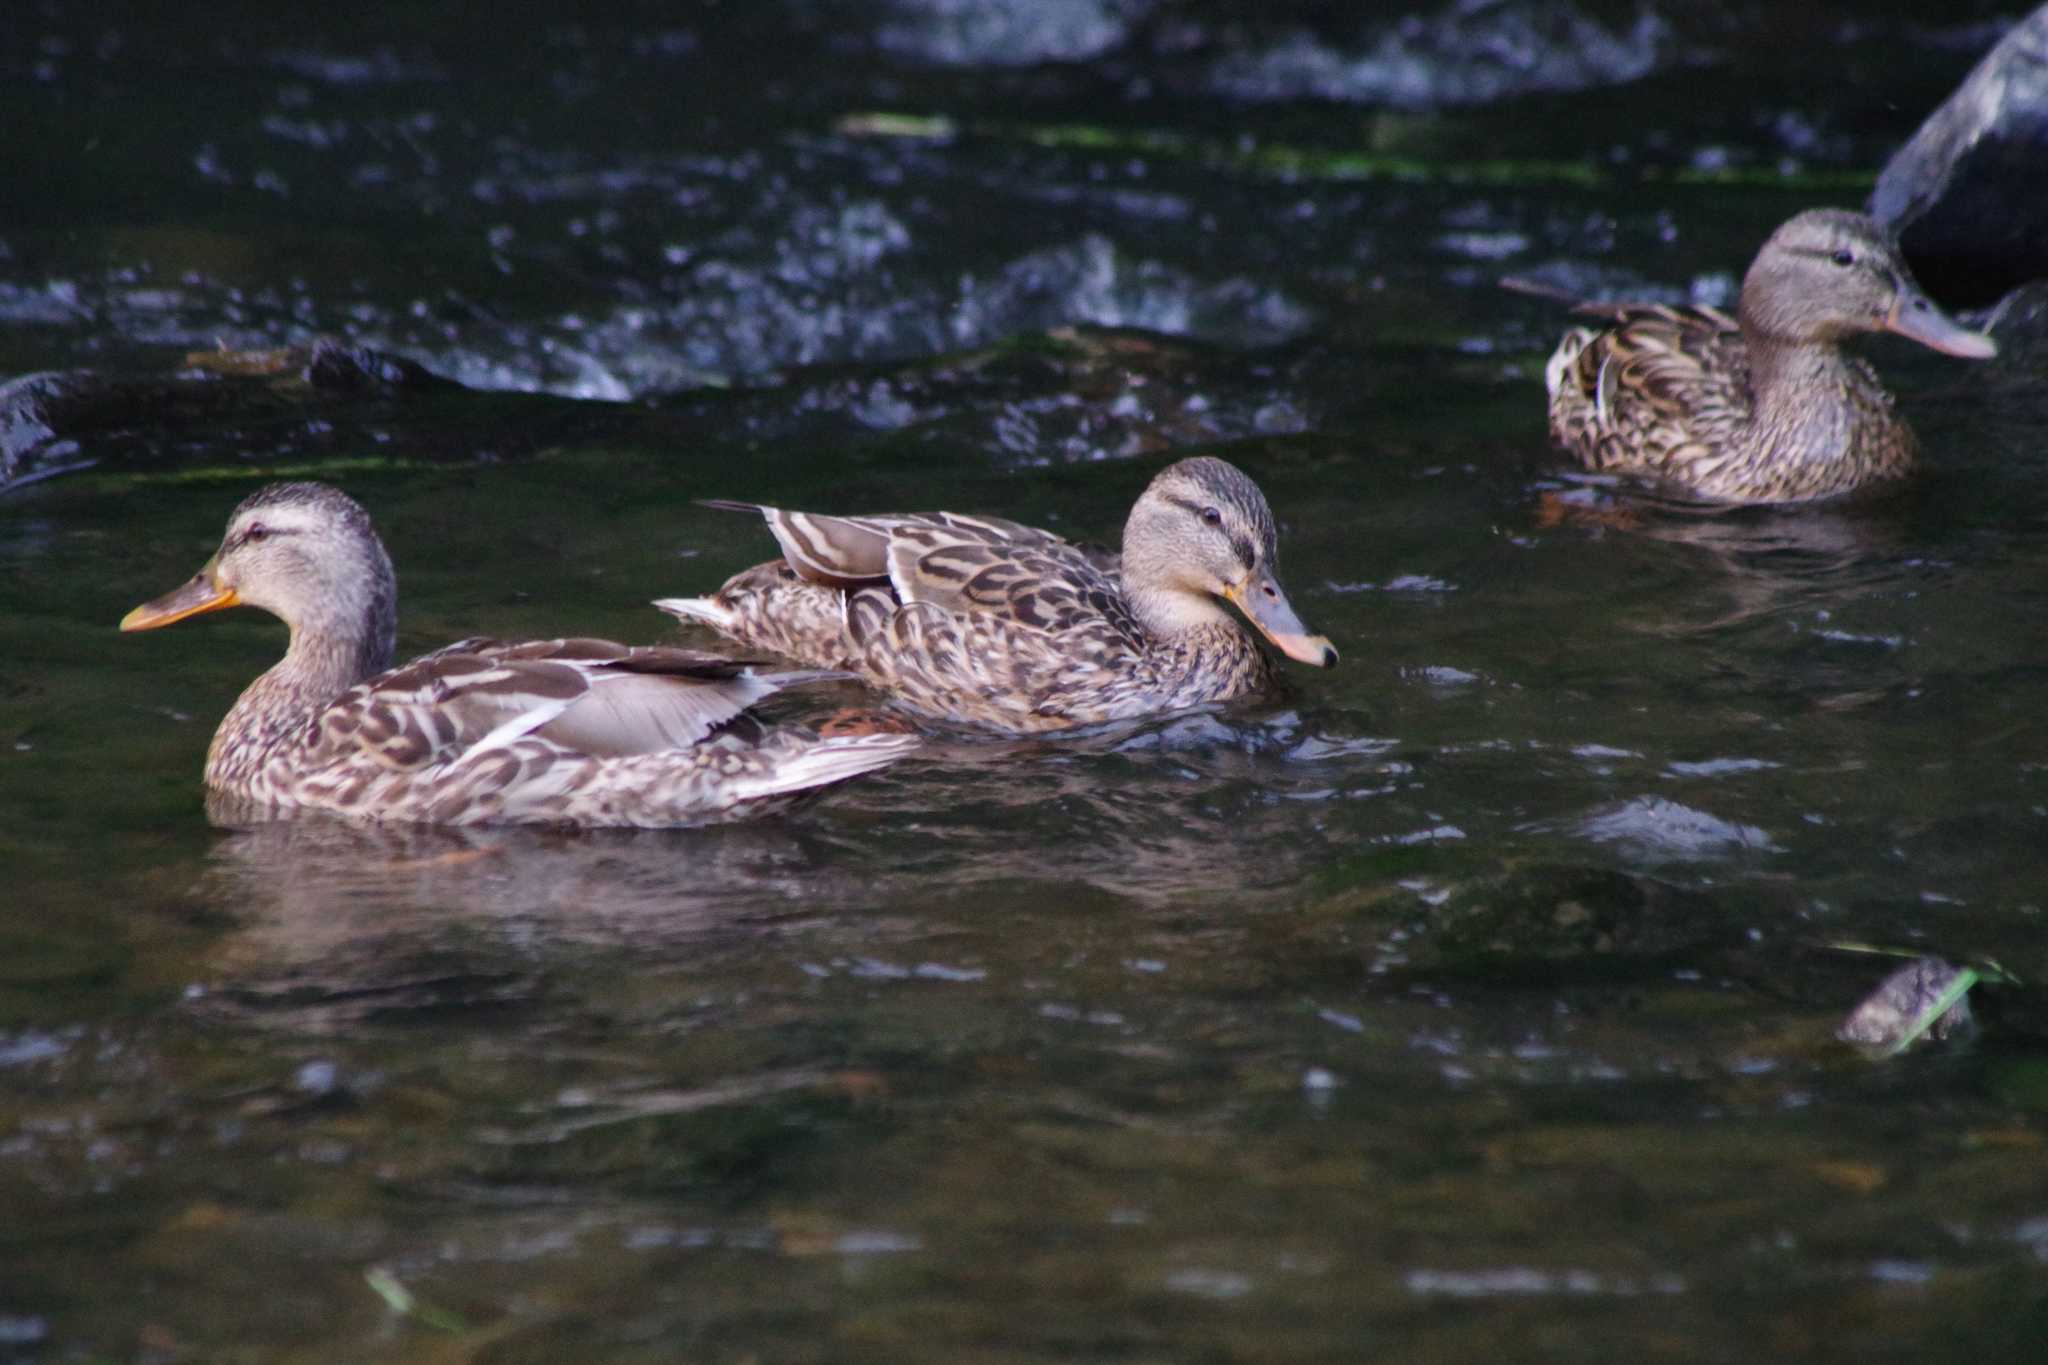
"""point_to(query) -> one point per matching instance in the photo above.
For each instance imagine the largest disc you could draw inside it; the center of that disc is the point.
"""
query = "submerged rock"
(58, 421)
(1965, 195)
(1059, 395)
(1925, 998)
(1537, 918)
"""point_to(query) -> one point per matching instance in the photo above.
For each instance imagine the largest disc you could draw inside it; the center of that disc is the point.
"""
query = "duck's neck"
(1171, 615)
(319, 665)
(1195, 650)
(1797, 388)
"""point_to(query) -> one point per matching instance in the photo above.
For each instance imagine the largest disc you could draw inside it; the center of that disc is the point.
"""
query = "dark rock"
(334, 367)
(1064, 394)
(2021, 324)
(1895, 1015)
(58, 421)
(44, 416)
(1547, 921)
(1965, 195)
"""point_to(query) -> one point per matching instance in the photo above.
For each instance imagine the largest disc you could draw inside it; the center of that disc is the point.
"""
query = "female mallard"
(981, 620)
(1762, 407)
(574, 732)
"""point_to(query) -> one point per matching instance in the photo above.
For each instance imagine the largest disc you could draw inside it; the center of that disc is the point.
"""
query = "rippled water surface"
(1472, 1001)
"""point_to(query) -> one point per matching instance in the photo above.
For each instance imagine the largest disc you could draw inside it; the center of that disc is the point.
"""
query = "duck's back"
(972, 619)
(1033, 582)
(1656, 393)
(1021, 631)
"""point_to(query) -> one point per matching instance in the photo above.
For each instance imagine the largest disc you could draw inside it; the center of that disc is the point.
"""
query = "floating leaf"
(403, 1301)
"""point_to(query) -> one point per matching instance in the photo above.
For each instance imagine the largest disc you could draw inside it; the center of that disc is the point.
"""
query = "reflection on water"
(1766, 562)
(305, 886)
(1154, 813)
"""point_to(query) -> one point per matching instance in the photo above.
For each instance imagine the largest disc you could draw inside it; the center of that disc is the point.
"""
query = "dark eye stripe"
(1241, 545)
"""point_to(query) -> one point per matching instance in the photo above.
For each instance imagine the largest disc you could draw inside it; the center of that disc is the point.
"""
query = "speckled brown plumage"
(572, 732)
(989, 622)
(1763, 406)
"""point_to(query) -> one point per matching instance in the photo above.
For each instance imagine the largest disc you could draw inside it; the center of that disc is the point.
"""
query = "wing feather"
(588, 696)
(1644, 393)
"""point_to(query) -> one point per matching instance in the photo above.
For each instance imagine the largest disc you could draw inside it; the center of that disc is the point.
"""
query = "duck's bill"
(1914, 316)
(202, 594)
(1266, 607)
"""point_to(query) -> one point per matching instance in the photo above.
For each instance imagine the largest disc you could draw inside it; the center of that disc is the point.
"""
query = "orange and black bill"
(201, 594)
(1266, 607)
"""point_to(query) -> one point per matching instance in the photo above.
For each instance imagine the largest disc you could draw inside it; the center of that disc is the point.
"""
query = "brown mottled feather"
(987, 621)
(1760, 407)
(572, 731)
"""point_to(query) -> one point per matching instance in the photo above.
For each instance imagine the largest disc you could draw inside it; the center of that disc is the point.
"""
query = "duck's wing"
(960, 615)
(589, 697)
(854, 552)
(1022, 576)
(1659, 381)
(1666, 354)
(837, 552)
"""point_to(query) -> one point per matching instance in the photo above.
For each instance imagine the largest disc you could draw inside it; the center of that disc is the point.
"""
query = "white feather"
(830, 760)
(697, 608)
(520, 726)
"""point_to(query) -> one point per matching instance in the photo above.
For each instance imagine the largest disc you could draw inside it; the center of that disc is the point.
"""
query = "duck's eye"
(1213, 516)
(255, 534)
(1844, 256)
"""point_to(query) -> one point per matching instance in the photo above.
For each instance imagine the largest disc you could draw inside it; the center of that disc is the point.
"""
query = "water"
(1471, 1001)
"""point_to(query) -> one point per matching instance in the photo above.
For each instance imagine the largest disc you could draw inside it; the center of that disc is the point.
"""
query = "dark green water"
(1466, 1003)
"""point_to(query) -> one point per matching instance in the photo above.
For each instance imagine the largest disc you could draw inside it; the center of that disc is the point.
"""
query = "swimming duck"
(984, 621)
(568, 732)
(1763, 406)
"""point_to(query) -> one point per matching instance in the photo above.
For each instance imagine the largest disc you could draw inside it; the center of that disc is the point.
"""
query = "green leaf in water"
(402, 1301)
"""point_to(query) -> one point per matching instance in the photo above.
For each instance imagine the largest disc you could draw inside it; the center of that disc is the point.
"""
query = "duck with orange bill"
(1762, 406)
(562, 732)
(992, 623)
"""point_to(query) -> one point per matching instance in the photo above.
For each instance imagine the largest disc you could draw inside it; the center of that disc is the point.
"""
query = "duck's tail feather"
(825, 761)
(709, 610)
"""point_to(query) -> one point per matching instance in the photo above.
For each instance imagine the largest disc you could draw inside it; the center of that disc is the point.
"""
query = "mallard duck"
(1763, 406)
(984, 621)
(571, 732)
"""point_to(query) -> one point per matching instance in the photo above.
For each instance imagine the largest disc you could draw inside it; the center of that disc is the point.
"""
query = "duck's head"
(303, 552)
(1202, 531)
(1828, 272)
